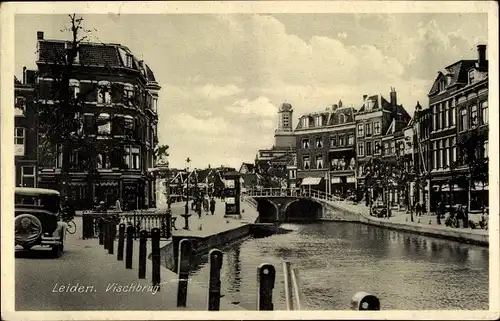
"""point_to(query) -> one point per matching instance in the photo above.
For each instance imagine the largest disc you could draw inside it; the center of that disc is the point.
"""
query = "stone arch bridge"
(290, 205)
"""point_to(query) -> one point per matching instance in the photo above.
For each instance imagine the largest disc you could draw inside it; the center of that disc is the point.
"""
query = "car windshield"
(46, 202)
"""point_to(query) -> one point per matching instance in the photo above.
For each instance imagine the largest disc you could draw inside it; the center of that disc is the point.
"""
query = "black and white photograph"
(251, 159)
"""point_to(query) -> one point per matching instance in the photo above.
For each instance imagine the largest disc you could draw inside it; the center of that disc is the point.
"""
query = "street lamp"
(186, 209)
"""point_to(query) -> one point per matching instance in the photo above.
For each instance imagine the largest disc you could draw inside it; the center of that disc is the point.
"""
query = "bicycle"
(71, 227)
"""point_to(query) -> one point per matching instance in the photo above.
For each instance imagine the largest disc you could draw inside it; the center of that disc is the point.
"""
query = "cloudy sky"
(224, 76)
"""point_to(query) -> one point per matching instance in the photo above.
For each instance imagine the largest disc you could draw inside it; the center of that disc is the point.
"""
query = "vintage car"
(37, 219)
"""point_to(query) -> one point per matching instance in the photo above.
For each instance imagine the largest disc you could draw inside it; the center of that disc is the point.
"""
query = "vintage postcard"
(249, 160)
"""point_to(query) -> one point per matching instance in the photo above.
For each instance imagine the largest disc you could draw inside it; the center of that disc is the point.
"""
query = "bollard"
(130, 247)
(266, 274)
(106, 234)
(184, 262)
(155, 257)
(121, 241)
(101, 231)
(215, 261)
(111, 237)
(365, 301)
(143, 238)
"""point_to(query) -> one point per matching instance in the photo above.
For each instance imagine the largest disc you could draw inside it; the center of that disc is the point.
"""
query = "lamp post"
(186, 209)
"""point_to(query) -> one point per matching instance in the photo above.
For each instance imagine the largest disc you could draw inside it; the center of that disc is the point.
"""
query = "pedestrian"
(417, 209)
(198, 207)
(118, 205)
(212, 206)
(205, 205)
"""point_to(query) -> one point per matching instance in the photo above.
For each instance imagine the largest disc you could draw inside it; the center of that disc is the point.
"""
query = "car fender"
(60, 230)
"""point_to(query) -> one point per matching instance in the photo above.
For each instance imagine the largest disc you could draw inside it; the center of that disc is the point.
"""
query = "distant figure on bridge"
(212, 206)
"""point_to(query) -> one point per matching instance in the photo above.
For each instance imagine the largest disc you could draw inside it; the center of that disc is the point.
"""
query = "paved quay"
(425, 224)
(105, 282)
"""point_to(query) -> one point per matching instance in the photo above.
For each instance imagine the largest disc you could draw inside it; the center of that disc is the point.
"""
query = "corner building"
(120, 95)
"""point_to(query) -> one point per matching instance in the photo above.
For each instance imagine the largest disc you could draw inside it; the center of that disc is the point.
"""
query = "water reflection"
(335, 260)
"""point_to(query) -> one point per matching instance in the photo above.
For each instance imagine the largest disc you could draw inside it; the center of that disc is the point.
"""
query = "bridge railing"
(290, 192)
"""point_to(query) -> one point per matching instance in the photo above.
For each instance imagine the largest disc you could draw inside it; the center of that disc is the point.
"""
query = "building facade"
(458, 105)
(326, 156)
(118, 116)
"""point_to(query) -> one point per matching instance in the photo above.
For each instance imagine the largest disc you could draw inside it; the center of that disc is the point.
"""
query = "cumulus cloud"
(260, 106)
(211, 91)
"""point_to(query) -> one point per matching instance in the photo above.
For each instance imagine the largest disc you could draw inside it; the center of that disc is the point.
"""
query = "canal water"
(337, 259)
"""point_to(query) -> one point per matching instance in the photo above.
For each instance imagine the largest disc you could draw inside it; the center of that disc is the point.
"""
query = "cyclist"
(68, 212)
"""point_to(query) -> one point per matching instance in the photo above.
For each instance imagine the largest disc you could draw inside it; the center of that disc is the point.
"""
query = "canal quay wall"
(334, 212)
(217, 231)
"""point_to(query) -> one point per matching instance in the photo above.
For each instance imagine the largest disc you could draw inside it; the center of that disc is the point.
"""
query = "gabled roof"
(457, 73)
(378, 102)
(249, 166)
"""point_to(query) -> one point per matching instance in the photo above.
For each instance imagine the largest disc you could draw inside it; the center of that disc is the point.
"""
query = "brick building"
(458, 104)
(119, 96)
(326, 155)
(25, 135)
(379, 131)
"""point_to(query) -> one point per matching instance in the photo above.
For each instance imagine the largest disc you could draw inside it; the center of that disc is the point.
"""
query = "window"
(486, 149)
(453, 113)
(447, 114)
(292, 173)
(342, 140)
(350, 140)
(360, 170)
(360, 130)
(59, 153)
(305, 122)
(376, 128)
(28, 176)
(104, 92)
(434, 118)
(471, 76)
(128, 91)
(440, 154)
(155, 104)
(393, 148)
(463, 124)
(368, 148)
(306, 162)
(89, 124)
(319, 142)
(473, 116)
(305, 143)
(319, 161)
(129, 125)
(128, 61)
(318, 121)
(377, 148)
(446, 154)
(386, 148)
(484, 112)
(361, 149)
(74, 87)
(434, 155)
(20, 106)
(132, 157)
(333, 141)
(104, 125)
(341, 118)
(19, 133)
(453, 149)
(368, 129)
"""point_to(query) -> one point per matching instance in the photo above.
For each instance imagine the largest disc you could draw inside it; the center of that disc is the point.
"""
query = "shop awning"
(311, 181)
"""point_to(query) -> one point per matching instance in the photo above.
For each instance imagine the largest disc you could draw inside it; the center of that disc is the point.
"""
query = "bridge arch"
(302, 209)
(268, 211)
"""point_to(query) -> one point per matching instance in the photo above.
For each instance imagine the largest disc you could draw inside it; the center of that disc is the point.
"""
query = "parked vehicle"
(38, 219)
(379, 209)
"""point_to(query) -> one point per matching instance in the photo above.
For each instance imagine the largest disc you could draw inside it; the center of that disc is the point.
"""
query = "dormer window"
(305, 122)
(471, 76)
(341, 118)
(319, 121)
(128, 61)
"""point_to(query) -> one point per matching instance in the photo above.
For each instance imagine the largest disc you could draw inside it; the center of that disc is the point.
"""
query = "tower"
(285, 113)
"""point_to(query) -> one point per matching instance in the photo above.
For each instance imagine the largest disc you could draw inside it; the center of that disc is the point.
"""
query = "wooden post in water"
(215, 261)
(184, 264)
(287, 275)
(155, 257)
(130, 247)
(143, 237)
(121, 241)
(266, 274)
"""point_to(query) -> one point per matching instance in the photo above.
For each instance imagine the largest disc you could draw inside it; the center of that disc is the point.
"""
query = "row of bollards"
(266, 273)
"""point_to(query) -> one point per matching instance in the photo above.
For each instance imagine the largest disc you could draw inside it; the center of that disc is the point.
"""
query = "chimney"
(334, 106)
(481, 55)
(394, 97)
(24, 75)
(39, 35)
(340, 103)
(364, 97)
